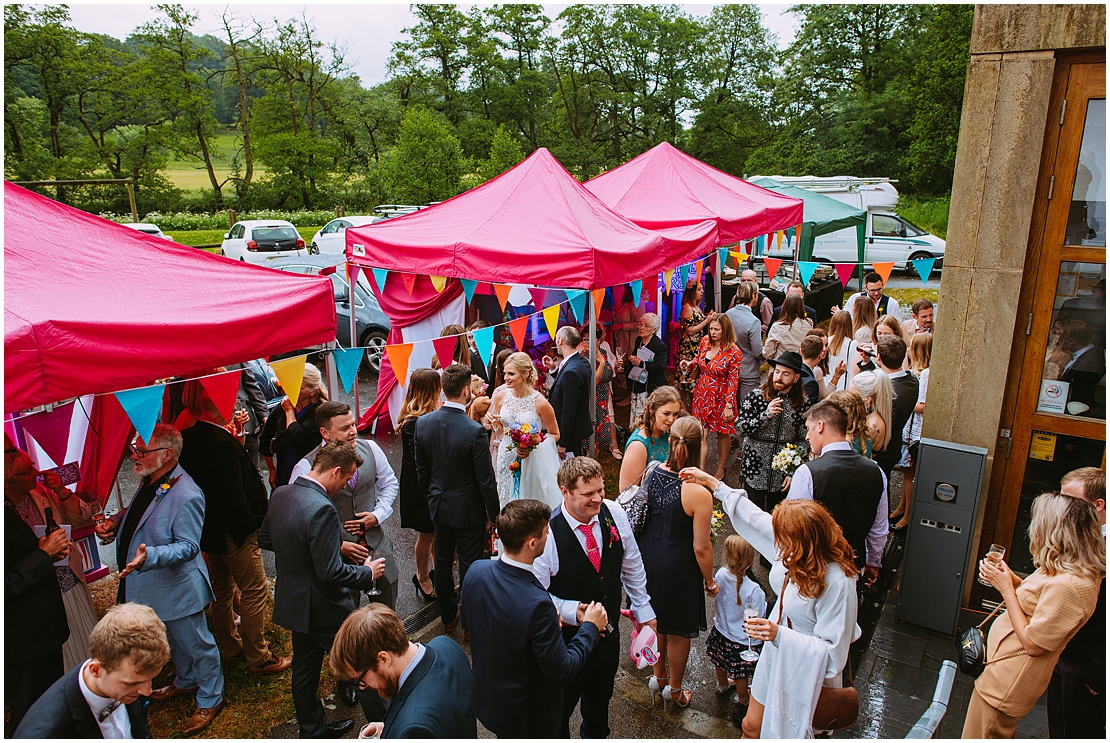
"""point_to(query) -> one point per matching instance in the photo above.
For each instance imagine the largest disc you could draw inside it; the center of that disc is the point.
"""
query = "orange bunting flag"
(599, 297)
(290, 372)
(772, 265)
(883, 269)
(502, 292)
(551, 317)
(699, 266)
(399, 359)
(519, 329)
(438, 282)
(410, 281)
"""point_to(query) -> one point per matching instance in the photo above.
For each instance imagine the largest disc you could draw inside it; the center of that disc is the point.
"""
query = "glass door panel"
(1087, 216)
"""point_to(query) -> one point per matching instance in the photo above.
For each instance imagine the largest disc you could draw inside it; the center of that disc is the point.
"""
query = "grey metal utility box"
(938, 543)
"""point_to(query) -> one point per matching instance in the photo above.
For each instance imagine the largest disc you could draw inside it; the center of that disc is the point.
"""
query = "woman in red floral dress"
(718, 363)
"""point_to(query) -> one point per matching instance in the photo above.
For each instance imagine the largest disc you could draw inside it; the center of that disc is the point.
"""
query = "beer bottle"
(51, 524)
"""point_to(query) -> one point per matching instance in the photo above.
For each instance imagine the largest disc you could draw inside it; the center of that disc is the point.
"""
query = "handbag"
(837, 709)
(634, 502)
(971, 649)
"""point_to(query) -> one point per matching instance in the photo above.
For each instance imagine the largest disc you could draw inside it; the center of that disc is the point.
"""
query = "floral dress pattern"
(766, 437)
(688, 350)
(604, 432)
(716, 387)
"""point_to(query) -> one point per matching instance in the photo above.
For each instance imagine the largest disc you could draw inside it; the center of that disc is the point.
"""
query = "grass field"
(211, 237)
(191, 175)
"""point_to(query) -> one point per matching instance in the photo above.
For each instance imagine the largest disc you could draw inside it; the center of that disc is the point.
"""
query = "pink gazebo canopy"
(665, 188)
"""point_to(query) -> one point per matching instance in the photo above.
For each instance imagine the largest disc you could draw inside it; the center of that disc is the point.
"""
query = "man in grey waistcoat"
(363, 505)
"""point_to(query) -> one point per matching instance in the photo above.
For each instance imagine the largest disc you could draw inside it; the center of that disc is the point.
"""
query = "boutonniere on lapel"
(161, 490)
(614, 535)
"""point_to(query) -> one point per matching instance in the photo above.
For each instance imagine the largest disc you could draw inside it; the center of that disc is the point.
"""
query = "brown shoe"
(169, 692)
(271, 667)
(201, 719)
(450, 626)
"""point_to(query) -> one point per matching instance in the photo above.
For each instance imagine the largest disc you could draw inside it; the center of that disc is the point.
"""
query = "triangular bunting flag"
(399, 359)
(577, 299)
(722, 258)
(51, 431)
(483, 342)
(438, 282)
(290, 372)
(352, 272)
(844, 272)
(538, 295)
(410, 281)
(683, 274)
(142, 407)
(924, 268)
(346, 363)
(551, 317)
(806, 269)
(223, 389)
(667, 276)
(637, 291)
(380, 276)
(518, 328)
(778, 239)
(445, 350)
(759, 244)
(883, 269)
(772, 265)
(502, 292)
(468, 289)
(599, 299)
(738, 257)
(699, 269)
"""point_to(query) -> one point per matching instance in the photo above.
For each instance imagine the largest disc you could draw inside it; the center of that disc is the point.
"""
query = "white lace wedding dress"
(538, 470)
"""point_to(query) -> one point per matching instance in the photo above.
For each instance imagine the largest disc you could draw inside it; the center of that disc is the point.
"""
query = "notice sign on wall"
(1053, 397)
(1042, 446)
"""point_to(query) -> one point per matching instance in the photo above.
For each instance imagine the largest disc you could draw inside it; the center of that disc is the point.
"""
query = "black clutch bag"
(971, 649)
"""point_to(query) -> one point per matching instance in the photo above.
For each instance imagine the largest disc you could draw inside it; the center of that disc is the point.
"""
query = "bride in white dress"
(516, 405)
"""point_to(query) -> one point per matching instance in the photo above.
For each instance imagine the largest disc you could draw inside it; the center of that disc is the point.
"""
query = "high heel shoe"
(722, 688)
(428, 597)
(682, 698)
(655, 686)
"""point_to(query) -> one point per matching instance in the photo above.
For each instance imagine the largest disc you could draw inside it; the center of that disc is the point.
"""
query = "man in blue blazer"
(158, 551)
(430, 687)
(521, 660)
(104, 697)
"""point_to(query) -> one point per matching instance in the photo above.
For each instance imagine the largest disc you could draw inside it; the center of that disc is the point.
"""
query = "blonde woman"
(858, 432)
(874, 387)
(1043, 612)
(421, 397)
(293, 433)
(842, 351)
(864, 318)
(519, 406)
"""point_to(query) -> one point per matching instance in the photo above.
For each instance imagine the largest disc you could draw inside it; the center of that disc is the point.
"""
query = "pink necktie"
(592, 551)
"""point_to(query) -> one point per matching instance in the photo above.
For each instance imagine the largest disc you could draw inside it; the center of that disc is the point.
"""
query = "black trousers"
(24, 683)
(308, 659)
(593, 687)
(1073, 711)
(468, 541)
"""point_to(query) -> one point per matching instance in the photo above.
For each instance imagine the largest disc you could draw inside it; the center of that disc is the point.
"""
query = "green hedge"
(218, 220)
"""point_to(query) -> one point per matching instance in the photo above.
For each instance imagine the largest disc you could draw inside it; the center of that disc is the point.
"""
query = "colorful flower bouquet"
(787, 460)
(524, 440)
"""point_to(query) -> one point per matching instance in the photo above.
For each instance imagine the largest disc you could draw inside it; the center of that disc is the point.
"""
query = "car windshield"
(912, 229)
(274, 233)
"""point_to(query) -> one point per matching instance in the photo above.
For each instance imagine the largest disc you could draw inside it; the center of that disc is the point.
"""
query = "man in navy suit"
(103, 697)
(570, 395)
(521, 661)
(430, 688)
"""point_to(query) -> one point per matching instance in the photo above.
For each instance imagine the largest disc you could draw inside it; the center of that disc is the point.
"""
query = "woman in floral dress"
(718, 361)
(693, 328)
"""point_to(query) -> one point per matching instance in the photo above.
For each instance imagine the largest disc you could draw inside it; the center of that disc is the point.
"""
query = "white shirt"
(452, 404)
(522, 565)
(892, 307)
(420, 650)
(384, 479)
(729, 617)
(801, 486)
(118, 724)
(633, 576)
(308, 476)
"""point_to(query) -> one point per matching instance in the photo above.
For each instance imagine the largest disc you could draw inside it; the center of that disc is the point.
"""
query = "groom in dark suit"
(453, 467)
(521, 661)
(570, 395)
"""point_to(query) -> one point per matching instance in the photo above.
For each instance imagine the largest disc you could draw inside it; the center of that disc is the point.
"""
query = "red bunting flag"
(844, 271)
(538, 295)
(519, 330)
(445, 350)
(223, 389)
(772, 265)
(410, 280)
(399, 359)
(502, 292)
(883, 269)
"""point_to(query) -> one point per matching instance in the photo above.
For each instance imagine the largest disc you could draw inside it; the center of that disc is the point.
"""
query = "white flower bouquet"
(787, 460)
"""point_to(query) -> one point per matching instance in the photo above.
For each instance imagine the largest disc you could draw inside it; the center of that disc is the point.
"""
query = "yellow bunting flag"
(599, 297)
(290, 372)
(502, 292)
(438, 282)
(778, 239)
(410, 280)
(740, 257)
(551, 317)
(667, 276)
(883, 269)
(399, 359)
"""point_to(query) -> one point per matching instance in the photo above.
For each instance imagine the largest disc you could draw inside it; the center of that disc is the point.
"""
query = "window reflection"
(1073, 380)
(1087, 216)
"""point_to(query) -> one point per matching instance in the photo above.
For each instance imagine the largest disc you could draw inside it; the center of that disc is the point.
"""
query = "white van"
(889, 237)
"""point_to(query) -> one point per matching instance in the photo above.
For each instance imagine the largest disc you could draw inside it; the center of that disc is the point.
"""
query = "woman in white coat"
(813, 561)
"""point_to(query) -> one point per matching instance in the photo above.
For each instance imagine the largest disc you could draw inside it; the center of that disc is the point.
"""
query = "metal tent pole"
(593, 376)
(717, 285)
(354, 340)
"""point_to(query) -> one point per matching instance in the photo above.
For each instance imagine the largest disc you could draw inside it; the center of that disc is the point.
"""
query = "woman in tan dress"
(1043, 612)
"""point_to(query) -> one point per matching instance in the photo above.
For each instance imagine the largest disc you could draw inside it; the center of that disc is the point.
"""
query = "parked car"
(255, 240)
(371, 324)
(331, 237)
(150, 229)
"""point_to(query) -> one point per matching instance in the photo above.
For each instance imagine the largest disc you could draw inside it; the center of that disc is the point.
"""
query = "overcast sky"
(367, 29)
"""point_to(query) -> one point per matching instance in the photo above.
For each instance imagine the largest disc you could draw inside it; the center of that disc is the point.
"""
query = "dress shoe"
(337, 729)
(271, 667)
(428, 596)
(201, 719)
(449, 627)
(347, 692)
(169, 692)
(240, 657)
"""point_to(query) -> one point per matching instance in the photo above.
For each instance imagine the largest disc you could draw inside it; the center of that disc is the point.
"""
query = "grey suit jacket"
(302, 528)
(174, 579)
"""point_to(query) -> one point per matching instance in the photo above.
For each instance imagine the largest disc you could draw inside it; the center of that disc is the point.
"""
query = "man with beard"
(772, 417)
(158, 551)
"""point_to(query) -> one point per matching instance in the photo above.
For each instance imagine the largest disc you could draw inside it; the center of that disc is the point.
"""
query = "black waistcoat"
(850, 486)
(577, 578)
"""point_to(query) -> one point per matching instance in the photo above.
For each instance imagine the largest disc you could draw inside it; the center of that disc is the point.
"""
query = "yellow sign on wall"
(1043, 446)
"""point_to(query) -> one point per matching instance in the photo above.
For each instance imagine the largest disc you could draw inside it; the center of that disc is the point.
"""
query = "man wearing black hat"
(772, 417)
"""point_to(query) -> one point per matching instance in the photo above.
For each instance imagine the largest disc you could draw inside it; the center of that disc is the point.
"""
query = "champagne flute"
(374, 590)
(994, 557)
(751, 611)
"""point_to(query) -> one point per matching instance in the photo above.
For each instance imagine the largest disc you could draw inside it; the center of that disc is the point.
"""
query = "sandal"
(616, 454)
(682, 698)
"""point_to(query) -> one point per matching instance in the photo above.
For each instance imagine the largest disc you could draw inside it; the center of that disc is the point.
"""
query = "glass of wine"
(994, 557)
(97, 511)
(374, 590)
(751, 611)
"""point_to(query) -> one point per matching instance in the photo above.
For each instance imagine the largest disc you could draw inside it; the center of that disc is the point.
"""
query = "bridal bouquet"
(787, 460)
(524, 440)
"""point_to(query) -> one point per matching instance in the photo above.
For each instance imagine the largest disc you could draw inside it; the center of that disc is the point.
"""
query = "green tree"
(433, 58)
(427, 164)
(504, 153)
